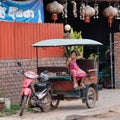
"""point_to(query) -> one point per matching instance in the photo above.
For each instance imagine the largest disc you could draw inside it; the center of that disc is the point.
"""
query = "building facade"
(16, 39)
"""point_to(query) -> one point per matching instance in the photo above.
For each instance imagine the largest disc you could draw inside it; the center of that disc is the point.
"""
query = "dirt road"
(107, 108)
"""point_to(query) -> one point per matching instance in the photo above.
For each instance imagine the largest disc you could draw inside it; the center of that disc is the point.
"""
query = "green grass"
(13, 110)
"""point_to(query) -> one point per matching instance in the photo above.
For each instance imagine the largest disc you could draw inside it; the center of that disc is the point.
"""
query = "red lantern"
(110, 12)
(54, 8)
(89, 12)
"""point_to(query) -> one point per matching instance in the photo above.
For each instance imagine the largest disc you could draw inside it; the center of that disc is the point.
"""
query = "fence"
(16, 39)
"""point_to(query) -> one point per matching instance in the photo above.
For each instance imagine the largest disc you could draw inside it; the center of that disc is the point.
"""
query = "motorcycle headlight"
(31, 74)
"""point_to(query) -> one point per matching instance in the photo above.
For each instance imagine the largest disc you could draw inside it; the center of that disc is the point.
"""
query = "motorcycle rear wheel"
(46, 107)
(55, 102)
(23, 105)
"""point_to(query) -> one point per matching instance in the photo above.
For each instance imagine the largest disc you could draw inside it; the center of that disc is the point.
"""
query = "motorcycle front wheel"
(47, 105)
(23, 105)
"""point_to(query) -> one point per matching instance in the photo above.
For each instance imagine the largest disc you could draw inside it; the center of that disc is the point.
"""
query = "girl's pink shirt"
(73, 65)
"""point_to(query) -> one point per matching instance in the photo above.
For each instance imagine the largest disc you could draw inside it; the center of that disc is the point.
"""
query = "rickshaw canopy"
(65, 42)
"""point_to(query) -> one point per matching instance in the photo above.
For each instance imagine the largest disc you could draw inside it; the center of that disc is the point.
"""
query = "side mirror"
(19, 64)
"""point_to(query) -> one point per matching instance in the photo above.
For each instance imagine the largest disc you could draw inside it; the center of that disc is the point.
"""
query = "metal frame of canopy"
(65, 42)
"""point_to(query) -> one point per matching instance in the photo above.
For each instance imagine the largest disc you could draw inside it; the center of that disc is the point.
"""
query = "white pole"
(111, 59)
(98, 60)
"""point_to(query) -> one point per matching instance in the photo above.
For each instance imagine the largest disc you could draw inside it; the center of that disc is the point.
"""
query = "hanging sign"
(22, 11)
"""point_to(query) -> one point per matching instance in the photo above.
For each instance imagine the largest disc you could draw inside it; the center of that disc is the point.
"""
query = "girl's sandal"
(83, 85)
(75, 85)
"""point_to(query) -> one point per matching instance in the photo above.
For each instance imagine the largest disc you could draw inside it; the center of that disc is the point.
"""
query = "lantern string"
(109, 2)
(96, 7)
(82, 11)
(86, 2)
(74, 8)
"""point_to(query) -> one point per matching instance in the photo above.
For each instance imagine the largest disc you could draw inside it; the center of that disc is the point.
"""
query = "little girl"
(76, 72)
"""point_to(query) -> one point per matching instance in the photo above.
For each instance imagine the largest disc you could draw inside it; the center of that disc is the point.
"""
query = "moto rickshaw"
(62, 83)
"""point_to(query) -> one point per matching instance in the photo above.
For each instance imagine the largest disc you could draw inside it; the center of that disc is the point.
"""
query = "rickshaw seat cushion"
(88, 65)
(53, 69)
(60, 78)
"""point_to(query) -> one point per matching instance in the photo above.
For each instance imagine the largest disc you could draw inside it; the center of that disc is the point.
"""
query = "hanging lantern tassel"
(110, 21)
(54, 16)
(87, 19)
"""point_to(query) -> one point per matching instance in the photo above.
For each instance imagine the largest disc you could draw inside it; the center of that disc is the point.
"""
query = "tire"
(46, 107)
(23, 105)
(91, 98)
(55, 103)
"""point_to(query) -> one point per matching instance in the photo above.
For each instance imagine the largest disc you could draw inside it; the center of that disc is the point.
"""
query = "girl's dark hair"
(73, 51)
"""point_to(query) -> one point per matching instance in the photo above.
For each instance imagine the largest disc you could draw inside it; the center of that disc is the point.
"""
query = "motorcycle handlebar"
(42, 76)
(20, 72)
(19, 64)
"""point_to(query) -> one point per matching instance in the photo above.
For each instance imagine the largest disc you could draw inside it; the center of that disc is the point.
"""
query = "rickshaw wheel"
(55, 103)
(91, 98)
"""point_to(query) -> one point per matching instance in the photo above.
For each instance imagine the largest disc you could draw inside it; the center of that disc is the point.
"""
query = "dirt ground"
(107, 108)
(109, 115)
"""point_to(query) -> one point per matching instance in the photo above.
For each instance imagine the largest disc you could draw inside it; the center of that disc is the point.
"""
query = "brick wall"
(117, 59)
(11, 82)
